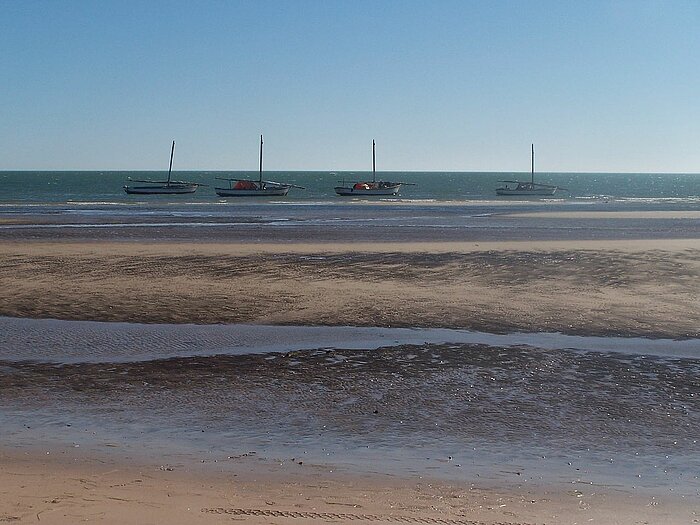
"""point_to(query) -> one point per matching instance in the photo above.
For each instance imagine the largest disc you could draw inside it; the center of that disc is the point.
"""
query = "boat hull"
(265, 192)
(165, 189)
(371, 192)
(525, 193)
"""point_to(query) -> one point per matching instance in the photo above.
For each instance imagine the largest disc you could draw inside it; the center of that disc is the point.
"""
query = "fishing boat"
(370, 188)
(526, 189)
(162, 187)
(255, 188)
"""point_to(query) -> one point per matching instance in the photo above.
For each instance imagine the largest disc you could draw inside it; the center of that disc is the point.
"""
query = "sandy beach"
(637, 288)
(67, 487)
(96, 439)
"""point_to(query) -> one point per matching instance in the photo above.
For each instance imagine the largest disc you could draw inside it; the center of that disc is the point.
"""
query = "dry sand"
(656, 214)
(641, 288)
(72, 486)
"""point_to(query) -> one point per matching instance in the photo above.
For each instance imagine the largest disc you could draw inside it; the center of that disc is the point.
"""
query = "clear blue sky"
(441, 85)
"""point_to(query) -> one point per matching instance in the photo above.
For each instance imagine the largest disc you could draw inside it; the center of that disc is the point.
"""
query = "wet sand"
(616, 418)
(631, 288)
(445, 434)
(70, 342)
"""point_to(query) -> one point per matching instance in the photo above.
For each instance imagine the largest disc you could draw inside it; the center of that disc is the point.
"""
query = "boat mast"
(532, 167)
(374, 169)
(170, 169)
(261, 145)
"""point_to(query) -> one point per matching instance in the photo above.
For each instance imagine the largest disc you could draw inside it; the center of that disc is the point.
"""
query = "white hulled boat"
(367, 188)
(255, 188)
(162, 187)
(526, 189)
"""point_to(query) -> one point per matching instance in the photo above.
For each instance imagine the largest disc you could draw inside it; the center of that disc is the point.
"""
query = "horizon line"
(66, 170)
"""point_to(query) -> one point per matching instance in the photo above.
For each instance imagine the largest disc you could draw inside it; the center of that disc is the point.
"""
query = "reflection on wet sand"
(559, 414)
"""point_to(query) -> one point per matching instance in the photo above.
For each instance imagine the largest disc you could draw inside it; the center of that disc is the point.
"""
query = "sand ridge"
(638, 289)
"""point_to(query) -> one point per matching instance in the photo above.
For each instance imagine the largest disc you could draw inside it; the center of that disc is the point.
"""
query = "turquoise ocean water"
(674, 190)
